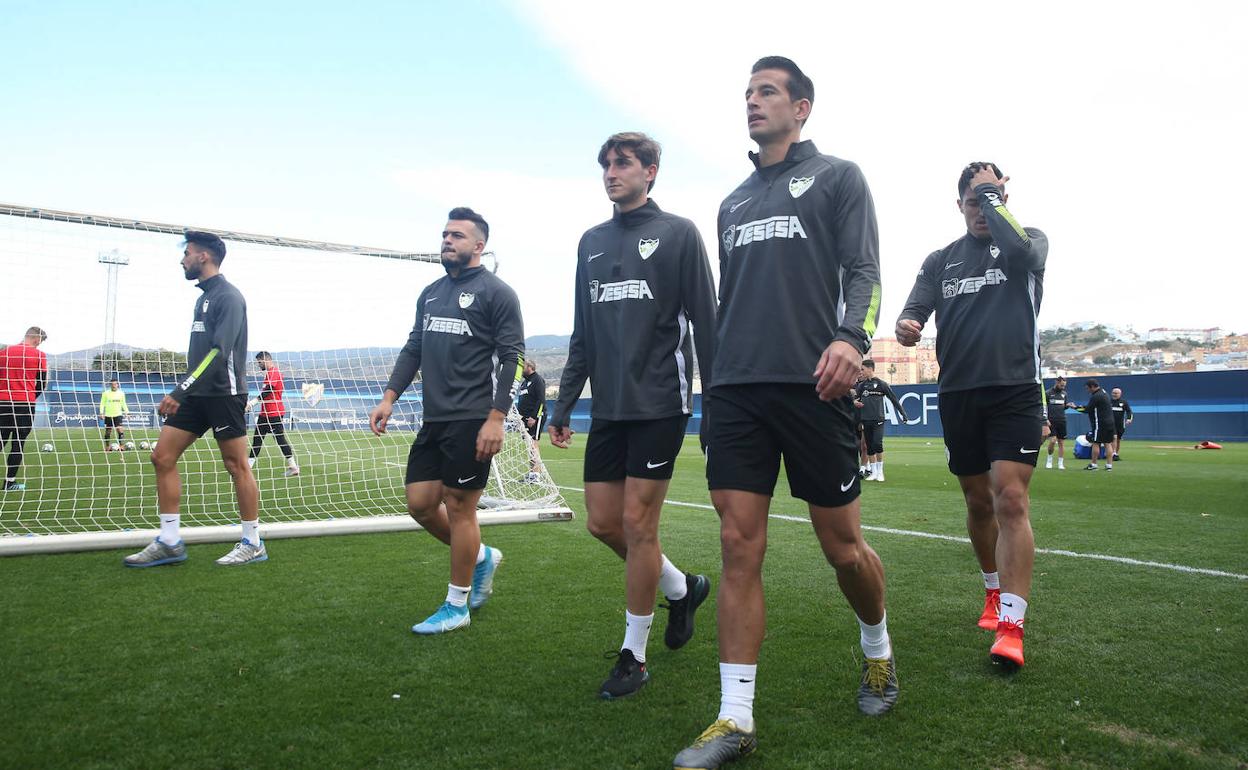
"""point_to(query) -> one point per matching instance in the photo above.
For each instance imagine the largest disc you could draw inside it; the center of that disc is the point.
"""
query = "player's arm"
(576, 369)
(701, 307)
(1127, 413)
(103, 401)
(230, 315)
(857, 248)
(405, 368)
(41, 377)
(509, 350)
(1020, 247)
(125, 408)
(920, 304)
(901, 410)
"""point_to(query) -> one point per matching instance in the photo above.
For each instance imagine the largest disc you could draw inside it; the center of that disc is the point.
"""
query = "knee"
(844, 555)
(741, 551)
(607, 532)
(235, 466)
(640, 527)
(161, 462)
(1011, 502)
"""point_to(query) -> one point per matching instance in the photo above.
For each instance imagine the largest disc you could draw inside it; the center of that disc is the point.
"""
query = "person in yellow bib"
(113, 409)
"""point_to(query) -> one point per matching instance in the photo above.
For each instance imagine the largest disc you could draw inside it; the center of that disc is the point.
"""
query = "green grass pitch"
(297, 662)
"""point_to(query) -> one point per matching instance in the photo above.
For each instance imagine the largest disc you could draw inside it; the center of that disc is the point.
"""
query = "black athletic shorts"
(116, 422)
(447, 452)
(984, 425)
(1100, 433)
(1057, 429)
(873, 433)
(755, 425)
(224, 414)
(643, 449)
(269, 424)
(1119, 429)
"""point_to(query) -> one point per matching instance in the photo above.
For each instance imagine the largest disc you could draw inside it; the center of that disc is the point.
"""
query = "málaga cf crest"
(466, 298)
(798, 186)
(646, 247)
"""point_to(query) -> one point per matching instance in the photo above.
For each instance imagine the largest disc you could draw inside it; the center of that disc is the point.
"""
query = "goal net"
(112, 298)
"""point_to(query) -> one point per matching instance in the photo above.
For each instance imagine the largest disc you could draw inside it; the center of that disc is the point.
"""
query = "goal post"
(111, 296)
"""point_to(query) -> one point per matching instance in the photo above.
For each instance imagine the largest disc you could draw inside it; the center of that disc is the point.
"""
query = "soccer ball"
(48, 448)
(114, 447)
(144, 445)
(154, 443)
(130, 446)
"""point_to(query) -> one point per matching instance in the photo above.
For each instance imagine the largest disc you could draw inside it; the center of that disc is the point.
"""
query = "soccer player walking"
(642, 278)
(272, 409)
(23, 377)
(467, 344)
(113, 409)
(1056, 403)
(799, 302)
(871, 392)
(1122, 417)
(985, 289)
(213, 394)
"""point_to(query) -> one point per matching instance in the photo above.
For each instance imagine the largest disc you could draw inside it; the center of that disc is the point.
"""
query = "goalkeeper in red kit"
(272, 409)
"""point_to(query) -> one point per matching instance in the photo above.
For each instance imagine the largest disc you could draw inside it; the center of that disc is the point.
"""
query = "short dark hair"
(35, 331)
(1060, 378)
(644, 148)
(209, 242)
(114, 379)
(466, 214)
(263, 354)
(964, 181)
(868, 362)
(799, 86)
(1091, 383)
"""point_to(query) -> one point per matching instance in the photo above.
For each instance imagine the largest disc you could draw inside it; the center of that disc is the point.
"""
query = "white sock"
(290, 462)
(879, 467)
(672, 581)
(251, 531)
(457, 596)
(481, 553)
(1013, 608)
(636, 634)
(992, 581)
(1061, 462)
(736, 693)
(874, 639)
(169, 528)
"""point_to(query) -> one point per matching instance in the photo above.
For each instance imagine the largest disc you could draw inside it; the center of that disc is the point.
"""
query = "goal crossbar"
(98, 220)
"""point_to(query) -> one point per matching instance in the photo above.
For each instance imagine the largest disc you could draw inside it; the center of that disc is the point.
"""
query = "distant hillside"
(547, 342)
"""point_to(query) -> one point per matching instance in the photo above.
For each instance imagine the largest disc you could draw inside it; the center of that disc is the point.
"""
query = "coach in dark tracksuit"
(531, 400)
(645, 298)
(1100, 412)
(871, 392)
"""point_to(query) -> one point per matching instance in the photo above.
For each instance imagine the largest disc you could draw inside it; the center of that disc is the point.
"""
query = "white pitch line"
(965, 540)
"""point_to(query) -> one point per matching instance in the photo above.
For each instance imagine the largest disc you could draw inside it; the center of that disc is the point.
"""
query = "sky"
(1121, 125)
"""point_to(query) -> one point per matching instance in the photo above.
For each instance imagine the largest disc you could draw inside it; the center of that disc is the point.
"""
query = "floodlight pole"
(115, 261)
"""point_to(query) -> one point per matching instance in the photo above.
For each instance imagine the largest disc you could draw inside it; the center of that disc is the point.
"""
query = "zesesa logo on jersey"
(444, 325)
(952, 287)
(619, 290)
(783, 226)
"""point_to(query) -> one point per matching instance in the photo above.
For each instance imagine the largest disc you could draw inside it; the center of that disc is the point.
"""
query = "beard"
(192, 272)
(453, 260)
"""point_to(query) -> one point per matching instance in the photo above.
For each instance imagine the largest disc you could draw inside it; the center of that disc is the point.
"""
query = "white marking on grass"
(965, 540)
